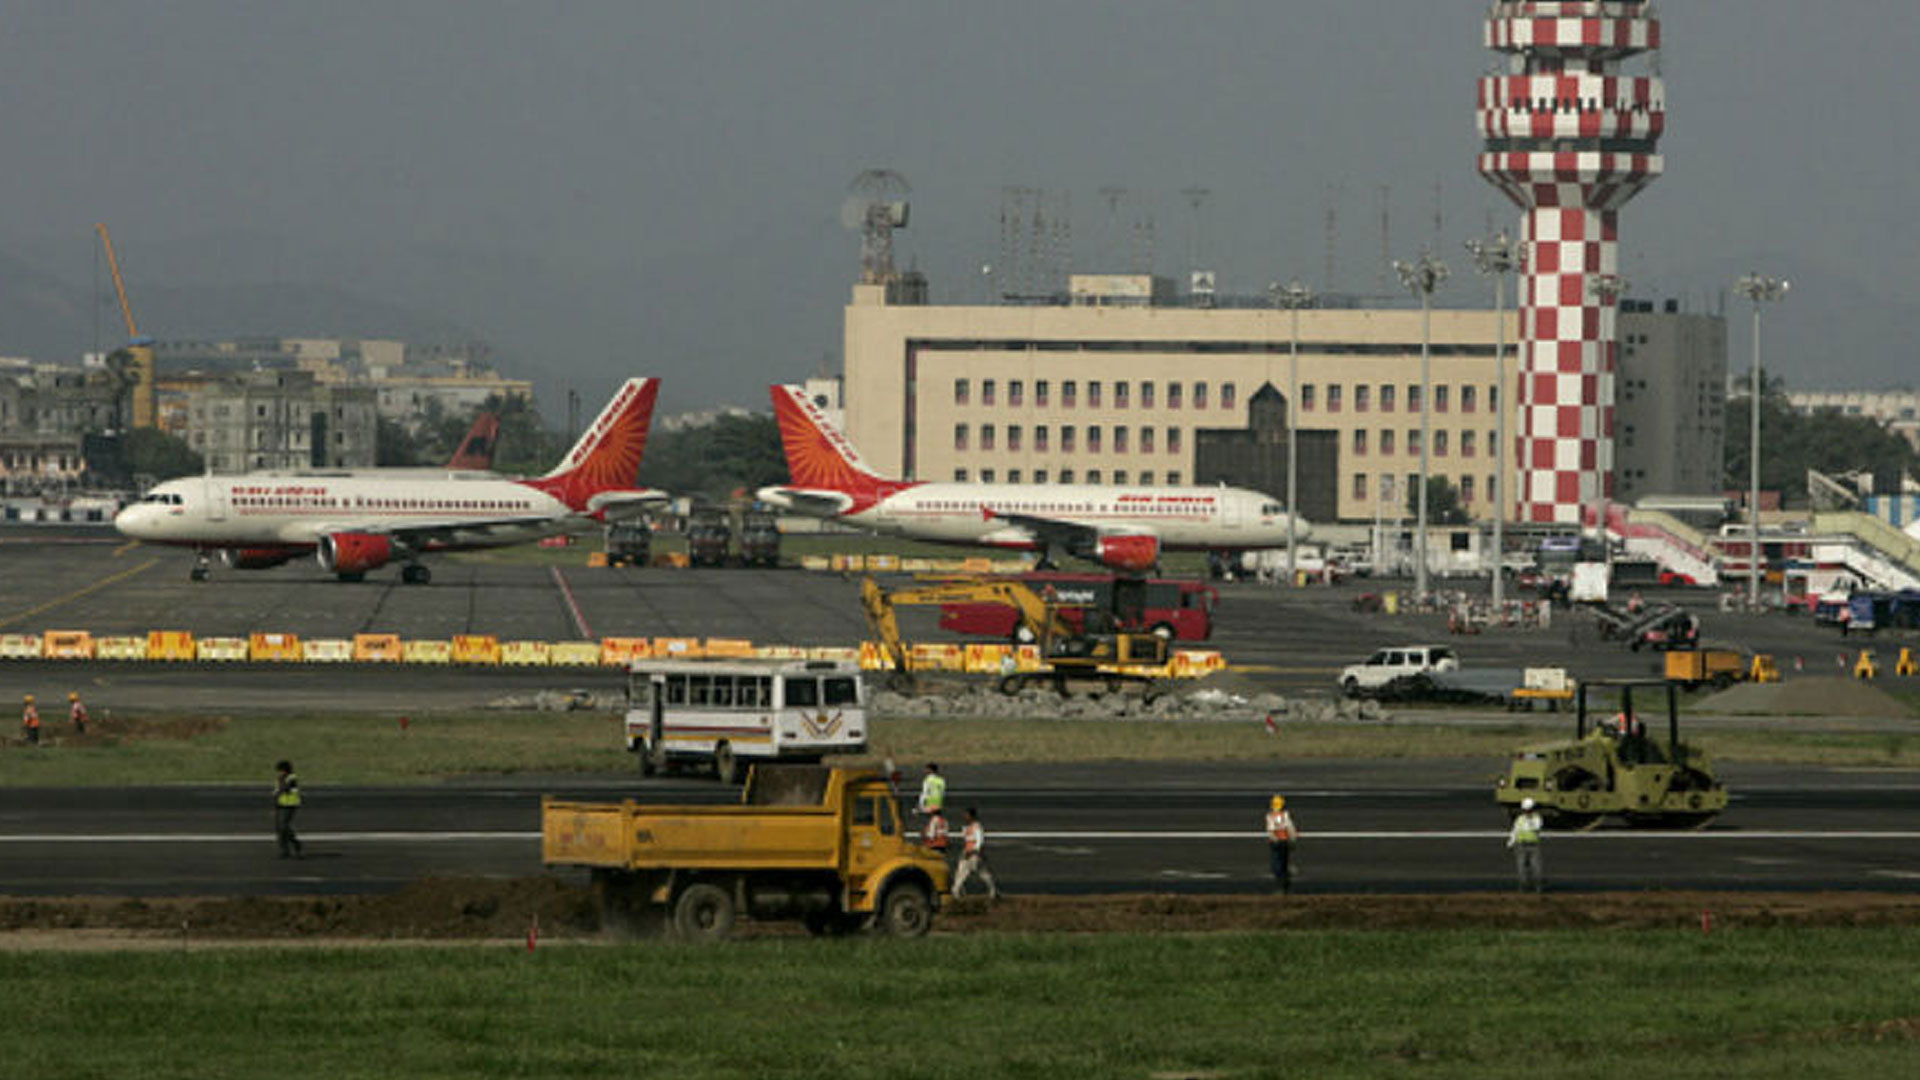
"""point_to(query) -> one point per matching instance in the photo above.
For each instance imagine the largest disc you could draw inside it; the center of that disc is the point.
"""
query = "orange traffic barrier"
(677, 648)
(66, 645)
(476, 649)
(729, 649)
(170, 645)
(278, 647)
(622, 651)
(378, 648)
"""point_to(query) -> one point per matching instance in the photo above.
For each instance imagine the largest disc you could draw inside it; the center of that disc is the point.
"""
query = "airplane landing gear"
(202, 566)
(415, 574)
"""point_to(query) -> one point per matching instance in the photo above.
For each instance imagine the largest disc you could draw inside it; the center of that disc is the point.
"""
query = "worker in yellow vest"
(1280, 837)
(286, 803)
(1524, 839)
(30, 721)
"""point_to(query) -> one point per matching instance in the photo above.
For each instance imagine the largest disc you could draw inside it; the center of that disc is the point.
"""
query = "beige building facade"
(1115, 392)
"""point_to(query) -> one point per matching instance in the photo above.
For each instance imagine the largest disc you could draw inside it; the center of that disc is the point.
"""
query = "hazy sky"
(604, 189)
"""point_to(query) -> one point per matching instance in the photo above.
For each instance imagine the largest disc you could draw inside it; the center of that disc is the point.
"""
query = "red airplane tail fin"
(476, 450)
(819, 456)
(607, 457)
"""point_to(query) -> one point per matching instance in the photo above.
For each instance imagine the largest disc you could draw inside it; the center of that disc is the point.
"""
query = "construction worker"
(973, 857)
(1280, 837)
(933, 791)
(286, 803)
(77, 712)
(30, 721)
(935, 836)
(1525, 842)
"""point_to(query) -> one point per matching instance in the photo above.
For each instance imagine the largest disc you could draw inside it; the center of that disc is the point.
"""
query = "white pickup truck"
(1396, 662)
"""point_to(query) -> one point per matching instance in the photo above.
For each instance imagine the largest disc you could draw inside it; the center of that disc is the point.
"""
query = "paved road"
(1369, 827)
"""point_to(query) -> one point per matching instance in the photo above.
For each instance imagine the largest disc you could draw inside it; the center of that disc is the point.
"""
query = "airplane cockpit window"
(1270, 508)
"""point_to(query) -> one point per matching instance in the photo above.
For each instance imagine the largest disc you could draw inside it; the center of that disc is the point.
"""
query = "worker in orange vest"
(77, 712)
(935, 835)
(1280, 837)
(30, 722)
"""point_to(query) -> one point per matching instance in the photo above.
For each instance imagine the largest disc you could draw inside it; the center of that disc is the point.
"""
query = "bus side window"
(722, 692)
(841, 691)
(802, 692)
(640, 691)
(699, 689)
(676, 689)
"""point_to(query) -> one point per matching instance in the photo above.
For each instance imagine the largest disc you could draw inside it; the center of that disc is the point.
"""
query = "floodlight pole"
(1293, 296)
(1496, 256)
(1760, 290)
(1422, 277)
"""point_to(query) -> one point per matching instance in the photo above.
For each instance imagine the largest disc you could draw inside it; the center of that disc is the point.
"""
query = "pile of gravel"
(1196, 703)
(1817, 696)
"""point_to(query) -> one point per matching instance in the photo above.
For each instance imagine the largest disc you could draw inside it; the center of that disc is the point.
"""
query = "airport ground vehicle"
(709, 542)
(1398, 662)
(1091, 651)
(1175, 610)
(629, 543)
(1614, 767)
(1696, 667)
(759, 539)
(728, 714)
(827, 846)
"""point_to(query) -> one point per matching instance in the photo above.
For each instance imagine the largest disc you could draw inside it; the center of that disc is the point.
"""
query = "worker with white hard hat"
(1524, 839)
(1281, 835)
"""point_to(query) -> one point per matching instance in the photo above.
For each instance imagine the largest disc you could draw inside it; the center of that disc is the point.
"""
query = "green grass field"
(1571, 1004)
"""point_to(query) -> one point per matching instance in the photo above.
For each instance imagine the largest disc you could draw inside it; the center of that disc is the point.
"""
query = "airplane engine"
(257, 558)
(355, 553)
(1131, 553)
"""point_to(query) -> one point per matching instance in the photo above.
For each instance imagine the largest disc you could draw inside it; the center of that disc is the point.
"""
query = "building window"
(1466, 486)
(1093, 393)
(1146, 478)
(1199, 395)
(1119, 476)
(1386, 440)
(960, 388)
(1386, 397)
(1362, 398)
(986, 391)
(1439, 442)
(1093, 438)
(1119, 440)
(1413, 441)
(1173, 445)
(1360, 442)
(1016, 392)
(1041, 388)
(1040, 436)
(959, 436)
(1146, 396)
(986, 476)
(1122, 392)
(1039, 476)
(1013, 436)
(1413, 399)
(1066, 476)
(1173, 394)
(1440, 399)
(1359, 485)
(1066, 438)
(1146, 440)
(1013, 476)
(1333, 397)
(1466, 442)
(960, 475)
(1228, 395)
(1306, 398)
(1067, 390)
(1173, 478)
(1468, 394)
(986, 436)
(1093, 476)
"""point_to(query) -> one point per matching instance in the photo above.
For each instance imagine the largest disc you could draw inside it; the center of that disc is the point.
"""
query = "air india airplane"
(356, 522)
(1121, 527)
(476, 450)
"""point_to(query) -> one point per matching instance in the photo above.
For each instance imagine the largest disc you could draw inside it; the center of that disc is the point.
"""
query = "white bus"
(728, 714)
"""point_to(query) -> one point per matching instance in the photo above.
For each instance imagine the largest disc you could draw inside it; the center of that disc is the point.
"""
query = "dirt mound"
(117, 730)
(1818, 696)
(455, 909)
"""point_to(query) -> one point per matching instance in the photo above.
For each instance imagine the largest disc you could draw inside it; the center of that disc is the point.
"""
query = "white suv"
(1397, 662)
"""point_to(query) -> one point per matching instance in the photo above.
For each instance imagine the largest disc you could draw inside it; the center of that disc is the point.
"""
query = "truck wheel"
(906, 910)
(725, 765)
(704, 913)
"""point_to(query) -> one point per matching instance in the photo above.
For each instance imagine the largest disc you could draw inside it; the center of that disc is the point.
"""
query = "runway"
(1368, 827)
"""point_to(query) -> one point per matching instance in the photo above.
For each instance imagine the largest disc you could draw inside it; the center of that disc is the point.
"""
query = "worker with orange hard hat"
(77, 712)
(30, 721)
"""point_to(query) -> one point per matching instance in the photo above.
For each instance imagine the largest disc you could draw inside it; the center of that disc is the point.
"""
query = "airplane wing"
(425, 535)
(1072, 537)
(625, 505)
(810, 501)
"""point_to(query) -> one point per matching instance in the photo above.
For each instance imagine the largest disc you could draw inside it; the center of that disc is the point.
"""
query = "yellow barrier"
(378, 648)
(729, 649)
(66, 645)
(19, 646)
(596, 558)
(623, 651)
(676, 648)
(427, 652)
(280, 647)
(935, 656)
(982, 659)
(845, 653)
(120, 648)
(476, 649)
(526, 653)
(328, 650)
(779, 652)
(170, 645)
(1865, 668)
(1904, 665)
(916, 565)
(577, 654)
(873, 657)
(1027, 658)
(883, 564)
(815, 562)
(1764, 670)
(976, 565)
(677, 560)
(224, 650)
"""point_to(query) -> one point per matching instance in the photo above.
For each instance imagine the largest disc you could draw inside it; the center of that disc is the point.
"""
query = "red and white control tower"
(1570, 139)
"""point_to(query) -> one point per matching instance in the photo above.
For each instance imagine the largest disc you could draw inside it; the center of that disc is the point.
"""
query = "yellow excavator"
(1095, 650)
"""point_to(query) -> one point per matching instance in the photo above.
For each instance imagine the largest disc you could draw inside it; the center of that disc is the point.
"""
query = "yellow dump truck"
(828, 846)
(1693, 668)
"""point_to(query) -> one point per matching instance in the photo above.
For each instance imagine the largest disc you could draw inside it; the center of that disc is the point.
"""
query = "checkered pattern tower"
(1569, 138)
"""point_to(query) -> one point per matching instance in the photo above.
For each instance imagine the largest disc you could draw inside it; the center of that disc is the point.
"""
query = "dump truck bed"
(633, 836)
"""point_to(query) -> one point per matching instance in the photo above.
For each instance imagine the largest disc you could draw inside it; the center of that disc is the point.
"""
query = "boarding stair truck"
(1616, 766)
(827, 846)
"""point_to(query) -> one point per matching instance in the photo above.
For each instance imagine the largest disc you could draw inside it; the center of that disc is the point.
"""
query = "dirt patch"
(118, 730)
(1820, 696)
(458, 909)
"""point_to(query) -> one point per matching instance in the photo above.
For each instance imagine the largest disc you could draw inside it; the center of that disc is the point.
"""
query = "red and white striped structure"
(1570, 139)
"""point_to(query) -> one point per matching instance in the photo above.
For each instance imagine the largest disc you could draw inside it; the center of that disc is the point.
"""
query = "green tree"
(1443, 502)
(152, 452)
(1792, 442)
(734, 453)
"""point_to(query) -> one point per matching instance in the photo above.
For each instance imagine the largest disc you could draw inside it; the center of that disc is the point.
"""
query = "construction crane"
(133, 361)
(1093, 651)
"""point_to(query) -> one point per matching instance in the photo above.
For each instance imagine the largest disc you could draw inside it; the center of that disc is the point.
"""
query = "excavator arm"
(1036, 613)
